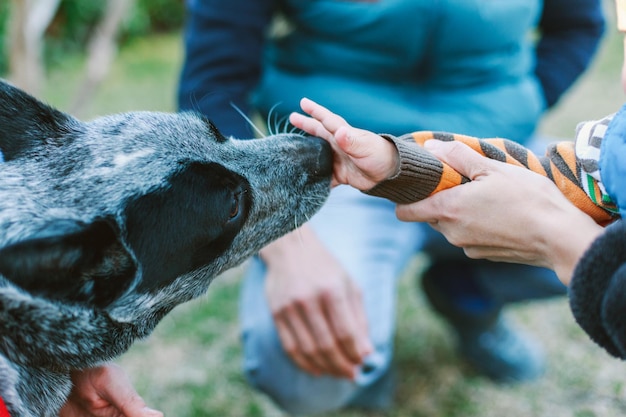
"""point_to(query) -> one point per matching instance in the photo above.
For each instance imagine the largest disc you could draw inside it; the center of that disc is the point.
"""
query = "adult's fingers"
(465, 161)
(308, 335)
(461, 157)
(328, 347)
(117, 389)
(105, 391)
(425, 211)
(294, 335)
(349, 323)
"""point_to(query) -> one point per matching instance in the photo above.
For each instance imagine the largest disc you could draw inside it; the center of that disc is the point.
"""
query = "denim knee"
(269, 370)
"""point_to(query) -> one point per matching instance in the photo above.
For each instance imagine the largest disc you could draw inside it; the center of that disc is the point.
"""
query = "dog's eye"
(234, 206)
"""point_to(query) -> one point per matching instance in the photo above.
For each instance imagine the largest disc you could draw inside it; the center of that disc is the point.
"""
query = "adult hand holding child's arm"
(505, 213)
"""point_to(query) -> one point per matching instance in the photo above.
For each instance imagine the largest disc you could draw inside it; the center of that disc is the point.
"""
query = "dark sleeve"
(570, 32)
(598, 290)
(223, 42)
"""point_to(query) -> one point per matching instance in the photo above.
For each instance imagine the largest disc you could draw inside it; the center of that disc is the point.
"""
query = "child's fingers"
(347, 142)
(310, 126)
(359, 143)
(329, 120)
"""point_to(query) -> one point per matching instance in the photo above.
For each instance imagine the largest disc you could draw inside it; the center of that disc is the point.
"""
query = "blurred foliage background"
(76, 20)
(4, 41)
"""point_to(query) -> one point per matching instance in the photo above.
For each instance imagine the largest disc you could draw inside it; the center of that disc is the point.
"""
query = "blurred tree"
(35, 34)
(101, 50)
(29, 21)
(151, 16)
(4, 43)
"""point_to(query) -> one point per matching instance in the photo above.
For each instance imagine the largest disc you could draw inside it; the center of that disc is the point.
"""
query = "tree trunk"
(28, 23)
(102, 50)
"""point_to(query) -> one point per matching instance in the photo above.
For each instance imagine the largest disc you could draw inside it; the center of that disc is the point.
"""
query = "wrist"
(415, 176)
(393, 167)
(571, 244)
(283, 248)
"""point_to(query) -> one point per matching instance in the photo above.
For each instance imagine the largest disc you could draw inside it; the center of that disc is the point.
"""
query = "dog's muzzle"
(319, 157)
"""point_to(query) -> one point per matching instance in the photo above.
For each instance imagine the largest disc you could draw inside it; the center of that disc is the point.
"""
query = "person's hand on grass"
(104, 391)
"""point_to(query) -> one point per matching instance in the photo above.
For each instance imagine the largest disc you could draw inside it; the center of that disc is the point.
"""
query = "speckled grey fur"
(59, 169)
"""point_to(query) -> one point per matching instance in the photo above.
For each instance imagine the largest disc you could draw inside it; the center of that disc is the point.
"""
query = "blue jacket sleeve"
(612, 163)
(223, 49)
(571, 31)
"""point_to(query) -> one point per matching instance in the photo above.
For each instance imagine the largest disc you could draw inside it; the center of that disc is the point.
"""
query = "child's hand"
(362, 159)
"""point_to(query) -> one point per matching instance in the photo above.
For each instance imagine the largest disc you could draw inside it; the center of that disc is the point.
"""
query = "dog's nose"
(324, 161)
(310, 153)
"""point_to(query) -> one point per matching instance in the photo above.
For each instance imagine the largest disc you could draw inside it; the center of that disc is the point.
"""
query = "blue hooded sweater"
(479, 67)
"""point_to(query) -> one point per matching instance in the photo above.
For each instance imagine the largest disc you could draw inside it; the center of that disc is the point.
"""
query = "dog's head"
(107, 225)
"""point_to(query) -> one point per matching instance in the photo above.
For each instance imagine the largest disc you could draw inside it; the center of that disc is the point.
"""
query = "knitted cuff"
(419, 174)
(598, 290)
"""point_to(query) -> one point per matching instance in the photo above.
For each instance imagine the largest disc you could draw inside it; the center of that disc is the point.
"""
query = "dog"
(107, 225)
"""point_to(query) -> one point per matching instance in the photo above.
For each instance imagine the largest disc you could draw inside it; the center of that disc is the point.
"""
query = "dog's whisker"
(298, 231)
(247, 119)
(268, 121)
(194, 102)
(272, 113)
(275, 123)
(295, 130)
(285, 125)
(268, 124)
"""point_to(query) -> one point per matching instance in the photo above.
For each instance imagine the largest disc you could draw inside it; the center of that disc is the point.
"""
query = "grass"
(144, 77)
(190, 366)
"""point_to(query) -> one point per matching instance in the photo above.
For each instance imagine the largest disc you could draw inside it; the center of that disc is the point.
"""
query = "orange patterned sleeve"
(559, 165)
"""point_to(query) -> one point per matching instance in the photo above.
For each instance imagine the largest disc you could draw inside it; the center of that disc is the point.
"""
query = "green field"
(191, 365)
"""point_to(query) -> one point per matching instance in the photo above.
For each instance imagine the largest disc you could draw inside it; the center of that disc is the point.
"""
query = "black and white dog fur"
(107, 225)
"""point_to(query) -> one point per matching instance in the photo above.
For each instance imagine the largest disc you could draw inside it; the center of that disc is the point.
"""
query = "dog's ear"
(71, 261)
(27, 124)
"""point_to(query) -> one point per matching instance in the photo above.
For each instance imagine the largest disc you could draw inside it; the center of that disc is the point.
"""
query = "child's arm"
(565, 163)
(385, 166)
(406, 173)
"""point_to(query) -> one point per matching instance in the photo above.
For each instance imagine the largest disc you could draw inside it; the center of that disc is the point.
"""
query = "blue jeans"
(374, 247)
